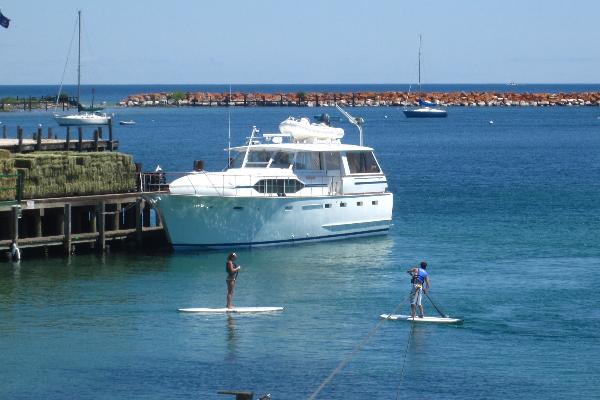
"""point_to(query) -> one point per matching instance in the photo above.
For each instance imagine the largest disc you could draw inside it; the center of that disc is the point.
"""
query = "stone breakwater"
(360, 99)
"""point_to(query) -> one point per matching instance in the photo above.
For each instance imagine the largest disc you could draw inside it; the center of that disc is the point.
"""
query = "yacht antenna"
(254, 130)
(354, 121)
(229, 129)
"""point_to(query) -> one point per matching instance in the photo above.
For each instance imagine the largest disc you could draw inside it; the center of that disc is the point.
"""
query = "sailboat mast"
(79, 60)
(419, 63)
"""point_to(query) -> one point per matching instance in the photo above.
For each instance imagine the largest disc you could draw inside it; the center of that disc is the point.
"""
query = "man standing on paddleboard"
(420, 283)
(232, 270)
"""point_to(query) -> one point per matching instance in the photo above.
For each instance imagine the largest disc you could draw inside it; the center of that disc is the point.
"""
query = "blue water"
(506, 214)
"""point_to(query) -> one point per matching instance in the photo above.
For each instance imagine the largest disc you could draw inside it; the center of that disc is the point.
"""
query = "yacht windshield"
(236, 160)
(258, 159)
(281, 160)
(307, 160)
(361, 162)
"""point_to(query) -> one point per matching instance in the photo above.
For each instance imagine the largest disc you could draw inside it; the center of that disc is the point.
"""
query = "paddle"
(436, 307)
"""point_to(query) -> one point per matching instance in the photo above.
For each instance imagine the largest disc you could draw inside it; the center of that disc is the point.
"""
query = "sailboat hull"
(426, 113)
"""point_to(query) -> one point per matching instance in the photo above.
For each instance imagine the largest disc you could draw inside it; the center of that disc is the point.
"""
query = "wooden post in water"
(4, 133)
(68, 138)
(96, 137)
(138, 221)
(50, 134)
(117, 217)
(67, 228)
(110, 135)
(80, 138)
(14, 224)
(39, 213)
(20, 138)
(93, 220)
(146, 215)
(100, 132)
(38, 138)
(100, 210)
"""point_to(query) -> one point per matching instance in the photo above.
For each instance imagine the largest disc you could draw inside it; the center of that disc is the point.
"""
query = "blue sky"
(309, 41)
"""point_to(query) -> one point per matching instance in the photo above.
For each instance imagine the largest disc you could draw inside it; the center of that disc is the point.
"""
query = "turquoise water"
(506, 214)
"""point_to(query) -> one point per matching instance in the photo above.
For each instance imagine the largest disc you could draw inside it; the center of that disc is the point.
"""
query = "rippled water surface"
(507, 215)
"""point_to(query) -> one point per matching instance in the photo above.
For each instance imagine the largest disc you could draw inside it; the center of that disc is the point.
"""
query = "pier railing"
(244, 185)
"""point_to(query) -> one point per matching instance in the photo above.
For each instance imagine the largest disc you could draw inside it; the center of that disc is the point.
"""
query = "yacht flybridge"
(301, 184)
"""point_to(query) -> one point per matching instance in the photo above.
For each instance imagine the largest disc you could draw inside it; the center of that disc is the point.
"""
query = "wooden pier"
(73, 140)
(71, 222)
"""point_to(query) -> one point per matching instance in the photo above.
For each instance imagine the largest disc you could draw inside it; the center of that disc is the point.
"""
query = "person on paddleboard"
(232, 270)
(420, 283)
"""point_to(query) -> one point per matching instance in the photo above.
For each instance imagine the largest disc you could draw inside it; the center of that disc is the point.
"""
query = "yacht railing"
(243, 185)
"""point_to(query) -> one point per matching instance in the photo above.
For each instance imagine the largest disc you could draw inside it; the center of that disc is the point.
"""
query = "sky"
(308, 41)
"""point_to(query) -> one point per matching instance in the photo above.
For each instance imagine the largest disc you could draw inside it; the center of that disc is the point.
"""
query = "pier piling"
(38, 139)
(14, 224)
(138, 221)
(20, 139)
(100, 215)
(79, 138)
(67, 228)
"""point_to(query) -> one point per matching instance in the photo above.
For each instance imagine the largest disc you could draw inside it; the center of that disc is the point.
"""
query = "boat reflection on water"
(231, 337)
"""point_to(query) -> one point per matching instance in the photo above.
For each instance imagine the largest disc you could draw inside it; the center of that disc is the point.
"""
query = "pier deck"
(69, 222)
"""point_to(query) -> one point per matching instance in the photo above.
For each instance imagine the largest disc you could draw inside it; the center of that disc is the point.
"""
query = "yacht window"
(236, 160)
(375, 202)
(258, 158)
(281, 160)
(362, 162)
(279, 186)
(332, 160)
(307, 160)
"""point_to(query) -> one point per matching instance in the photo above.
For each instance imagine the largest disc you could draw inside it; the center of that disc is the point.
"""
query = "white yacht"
(299, 185)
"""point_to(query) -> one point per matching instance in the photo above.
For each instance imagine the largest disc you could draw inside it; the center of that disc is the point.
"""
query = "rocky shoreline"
(360, 99)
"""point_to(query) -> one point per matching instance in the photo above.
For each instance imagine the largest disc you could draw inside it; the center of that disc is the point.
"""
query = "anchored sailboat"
(426, 108)
(86, 117)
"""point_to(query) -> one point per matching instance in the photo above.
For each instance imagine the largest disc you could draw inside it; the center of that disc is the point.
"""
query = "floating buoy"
(491, 122)
(385, 116)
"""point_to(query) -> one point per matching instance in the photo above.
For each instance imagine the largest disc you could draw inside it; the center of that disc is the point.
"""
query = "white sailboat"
(427, 109)
(81, 118)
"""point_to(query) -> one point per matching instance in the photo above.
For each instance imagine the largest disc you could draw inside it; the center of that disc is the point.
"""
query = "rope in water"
(349, 357)
(412, 328)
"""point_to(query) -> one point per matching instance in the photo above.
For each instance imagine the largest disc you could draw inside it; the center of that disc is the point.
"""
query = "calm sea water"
(506, 214)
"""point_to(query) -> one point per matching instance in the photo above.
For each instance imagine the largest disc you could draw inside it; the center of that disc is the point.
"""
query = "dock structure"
(74, 140)
(70, 222)
(90, 213)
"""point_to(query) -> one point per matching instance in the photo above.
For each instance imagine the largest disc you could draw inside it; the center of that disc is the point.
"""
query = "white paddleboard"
(435, 320)
(231, 310)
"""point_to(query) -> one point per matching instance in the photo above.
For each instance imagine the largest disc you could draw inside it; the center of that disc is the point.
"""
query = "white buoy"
(385, 116)
(491, 122)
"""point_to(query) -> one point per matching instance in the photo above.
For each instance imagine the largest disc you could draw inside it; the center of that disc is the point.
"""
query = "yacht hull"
(224, 222)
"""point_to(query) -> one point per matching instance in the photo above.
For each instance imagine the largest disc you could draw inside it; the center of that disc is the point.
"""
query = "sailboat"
(426, 109)
(86, 117)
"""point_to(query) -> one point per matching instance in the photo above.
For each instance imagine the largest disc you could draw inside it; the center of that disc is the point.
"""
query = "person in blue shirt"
(420, 282)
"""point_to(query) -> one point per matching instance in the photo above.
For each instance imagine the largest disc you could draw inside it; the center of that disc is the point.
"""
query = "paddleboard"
(231, 310)
(435, 320)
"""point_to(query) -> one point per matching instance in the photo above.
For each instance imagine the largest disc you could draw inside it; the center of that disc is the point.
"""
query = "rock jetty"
(360, 99)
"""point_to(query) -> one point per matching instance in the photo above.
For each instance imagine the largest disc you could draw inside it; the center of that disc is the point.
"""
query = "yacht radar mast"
(354, 121)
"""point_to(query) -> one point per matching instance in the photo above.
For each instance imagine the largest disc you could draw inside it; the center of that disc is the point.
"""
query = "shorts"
(416, 294)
